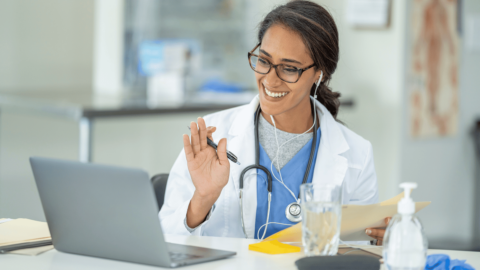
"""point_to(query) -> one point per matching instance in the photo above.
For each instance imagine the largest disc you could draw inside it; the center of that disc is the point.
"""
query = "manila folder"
(355, 219)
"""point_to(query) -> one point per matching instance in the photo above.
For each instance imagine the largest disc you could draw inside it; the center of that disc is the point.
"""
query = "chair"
(159, 182)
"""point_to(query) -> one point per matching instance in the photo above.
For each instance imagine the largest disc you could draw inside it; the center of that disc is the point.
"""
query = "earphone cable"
(279, 148)
(258, 232)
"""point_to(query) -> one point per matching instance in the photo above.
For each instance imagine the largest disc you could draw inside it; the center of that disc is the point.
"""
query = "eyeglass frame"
(299, 70)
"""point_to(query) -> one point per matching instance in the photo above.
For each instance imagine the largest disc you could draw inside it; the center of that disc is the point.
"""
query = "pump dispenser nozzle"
(404, 243)
(407, 205)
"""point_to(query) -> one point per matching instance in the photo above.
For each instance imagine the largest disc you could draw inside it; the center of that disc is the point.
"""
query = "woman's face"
(283, 46)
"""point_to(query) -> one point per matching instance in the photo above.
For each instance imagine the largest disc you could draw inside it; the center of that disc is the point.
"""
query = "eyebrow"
(283, 59)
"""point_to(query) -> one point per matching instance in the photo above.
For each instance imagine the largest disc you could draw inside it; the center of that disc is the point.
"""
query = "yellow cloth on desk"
(273, 247)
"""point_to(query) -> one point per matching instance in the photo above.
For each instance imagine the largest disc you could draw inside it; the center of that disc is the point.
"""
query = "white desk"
(244, 259)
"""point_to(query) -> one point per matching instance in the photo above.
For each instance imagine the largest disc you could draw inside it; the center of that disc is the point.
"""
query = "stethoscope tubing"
(267, 172)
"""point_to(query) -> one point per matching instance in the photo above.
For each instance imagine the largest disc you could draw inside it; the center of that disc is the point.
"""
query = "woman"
(296, 55)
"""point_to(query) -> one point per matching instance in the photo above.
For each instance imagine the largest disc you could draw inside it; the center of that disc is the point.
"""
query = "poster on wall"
(433, 97)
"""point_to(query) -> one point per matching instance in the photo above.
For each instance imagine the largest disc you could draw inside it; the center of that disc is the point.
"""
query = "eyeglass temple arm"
(255, 47)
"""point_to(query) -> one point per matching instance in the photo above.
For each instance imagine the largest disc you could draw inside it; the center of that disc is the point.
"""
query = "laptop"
(108, 212)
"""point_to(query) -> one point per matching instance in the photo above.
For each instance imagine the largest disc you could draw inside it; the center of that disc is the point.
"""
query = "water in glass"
(321, 218)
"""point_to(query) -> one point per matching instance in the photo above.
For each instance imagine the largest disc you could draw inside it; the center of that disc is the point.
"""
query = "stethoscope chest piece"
(294, 212)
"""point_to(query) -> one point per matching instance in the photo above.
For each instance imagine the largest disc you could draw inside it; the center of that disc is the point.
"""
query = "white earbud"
(320, 79)
(318, 84)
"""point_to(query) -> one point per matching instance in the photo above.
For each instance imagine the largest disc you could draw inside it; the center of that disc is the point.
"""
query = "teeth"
(277, 95)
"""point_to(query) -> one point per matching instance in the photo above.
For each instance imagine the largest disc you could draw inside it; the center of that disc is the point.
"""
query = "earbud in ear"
(318, 83)
(320, 79)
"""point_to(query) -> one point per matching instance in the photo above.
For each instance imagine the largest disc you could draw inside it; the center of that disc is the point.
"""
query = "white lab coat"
(344, 159)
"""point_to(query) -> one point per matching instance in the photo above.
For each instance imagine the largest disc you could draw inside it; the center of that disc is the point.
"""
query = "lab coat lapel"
(242, 144)
(330, 166)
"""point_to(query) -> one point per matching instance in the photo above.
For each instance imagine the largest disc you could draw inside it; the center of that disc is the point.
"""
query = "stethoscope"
(293, 210)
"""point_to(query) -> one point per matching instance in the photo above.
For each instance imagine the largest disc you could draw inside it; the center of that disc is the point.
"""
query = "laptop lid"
(101, 211)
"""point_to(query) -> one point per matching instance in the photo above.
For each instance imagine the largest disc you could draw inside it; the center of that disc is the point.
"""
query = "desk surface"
(244, 259)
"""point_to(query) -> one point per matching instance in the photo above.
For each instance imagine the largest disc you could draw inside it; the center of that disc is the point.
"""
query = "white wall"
(45, 44)
(108, 47)
(445, 168)
(151, 143)
(370, 72)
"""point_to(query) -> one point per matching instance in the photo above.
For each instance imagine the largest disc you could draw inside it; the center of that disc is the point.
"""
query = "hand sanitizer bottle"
(404, 244)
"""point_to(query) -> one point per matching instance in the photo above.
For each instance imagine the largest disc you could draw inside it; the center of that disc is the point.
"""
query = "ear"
(319, 76)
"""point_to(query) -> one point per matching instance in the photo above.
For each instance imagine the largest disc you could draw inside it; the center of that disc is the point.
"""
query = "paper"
(376, 251)
(394, 200)
(2, 220)
(273, 247)
(23, 230)
(32, 251)
(355, 219)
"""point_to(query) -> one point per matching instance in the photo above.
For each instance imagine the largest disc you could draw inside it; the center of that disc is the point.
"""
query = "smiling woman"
(289, 133)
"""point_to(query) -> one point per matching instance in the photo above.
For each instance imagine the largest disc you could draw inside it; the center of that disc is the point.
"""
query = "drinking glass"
(321, 217)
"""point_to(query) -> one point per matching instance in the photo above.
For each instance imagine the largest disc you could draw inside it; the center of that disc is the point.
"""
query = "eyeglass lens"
(262, 66)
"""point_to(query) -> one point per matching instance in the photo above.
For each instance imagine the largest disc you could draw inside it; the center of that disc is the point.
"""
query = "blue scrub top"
(292, 174)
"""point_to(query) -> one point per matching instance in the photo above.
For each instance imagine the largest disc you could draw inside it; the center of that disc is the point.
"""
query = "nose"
(271, 78)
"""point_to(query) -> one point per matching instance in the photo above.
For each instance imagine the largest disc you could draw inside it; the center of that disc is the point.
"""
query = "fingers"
(195, 138)
(222, 151)
(210, 131)
(203, 133)
(375, 233)
(387, 220)
(378, 233)
(188, 148)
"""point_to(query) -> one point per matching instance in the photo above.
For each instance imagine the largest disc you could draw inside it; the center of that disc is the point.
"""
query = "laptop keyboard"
(182, 256)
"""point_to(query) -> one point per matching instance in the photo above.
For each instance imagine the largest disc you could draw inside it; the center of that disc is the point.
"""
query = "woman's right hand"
(209, 170)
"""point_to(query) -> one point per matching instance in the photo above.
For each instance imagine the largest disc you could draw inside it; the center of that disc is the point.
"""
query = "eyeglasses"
(286, 73)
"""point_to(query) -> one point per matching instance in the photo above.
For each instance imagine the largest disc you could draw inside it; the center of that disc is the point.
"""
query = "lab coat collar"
(331, 132)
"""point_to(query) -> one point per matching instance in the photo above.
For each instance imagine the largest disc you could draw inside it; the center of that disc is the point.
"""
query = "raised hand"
(209, 170)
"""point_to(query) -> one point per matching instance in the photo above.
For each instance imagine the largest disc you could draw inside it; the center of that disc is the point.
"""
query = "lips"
(274, 94)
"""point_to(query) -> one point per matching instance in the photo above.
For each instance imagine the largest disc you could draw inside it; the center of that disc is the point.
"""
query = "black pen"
(230, 155)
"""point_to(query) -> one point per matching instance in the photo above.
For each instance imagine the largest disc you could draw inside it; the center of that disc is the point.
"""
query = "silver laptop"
(108, 212)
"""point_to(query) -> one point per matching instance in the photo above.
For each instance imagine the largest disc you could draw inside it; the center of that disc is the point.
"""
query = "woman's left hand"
(378, 233)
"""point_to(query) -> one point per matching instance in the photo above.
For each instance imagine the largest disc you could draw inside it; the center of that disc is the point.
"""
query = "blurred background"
(116, 81)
